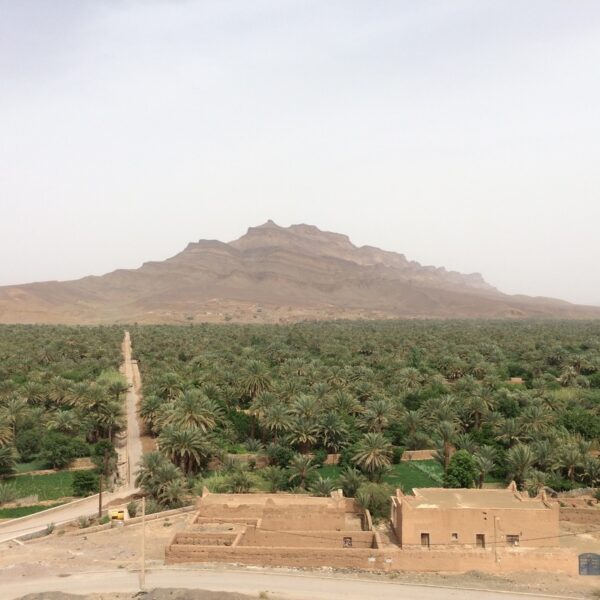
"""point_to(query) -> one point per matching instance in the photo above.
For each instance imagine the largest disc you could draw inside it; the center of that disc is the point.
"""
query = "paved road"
(296, 587)
(89, 506)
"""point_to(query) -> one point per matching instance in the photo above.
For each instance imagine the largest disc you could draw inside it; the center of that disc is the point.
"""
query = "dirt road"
(130, 455)
(297, 587)
(133, 444)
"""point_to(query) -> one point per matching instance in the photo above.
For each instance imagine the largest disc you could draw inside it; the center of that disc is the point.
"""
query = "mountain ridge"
(274, 274)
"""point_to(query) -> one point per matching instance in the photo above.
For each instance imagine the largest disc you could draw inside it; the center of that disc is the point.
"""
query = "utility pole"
(143, 569)
(495, 541)
(104, 468)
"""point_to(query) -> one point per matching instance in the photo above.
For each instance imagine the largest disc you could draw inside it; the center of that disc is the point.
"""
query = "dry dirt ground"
(119, 548)
(162, 594)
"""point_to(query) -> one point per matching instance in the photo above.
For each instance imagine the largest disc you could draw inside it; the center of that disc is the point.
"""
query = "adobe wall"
(584, 516)
(305, 539)
(507, 561)
(536, 528)
(303, 517)
(417, 455)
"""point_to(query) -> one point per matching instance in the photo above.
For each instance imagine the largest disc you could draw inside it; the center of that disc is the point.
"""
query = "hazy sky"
(461, 133)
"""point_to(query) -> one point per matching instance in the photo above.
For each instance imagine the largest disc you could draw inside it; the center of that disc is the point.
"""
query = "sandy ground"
(119, 549)
(160, 594)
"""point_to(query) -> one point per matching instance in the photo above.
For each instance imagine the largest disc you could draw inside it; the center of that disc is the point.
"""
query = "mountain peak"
(274, 274)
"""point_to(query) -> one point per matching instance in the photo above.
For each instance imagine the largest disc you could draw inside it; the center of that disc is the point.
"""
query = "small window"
(347, 542)
(480, 540)
(455, 537)
(512, 540)
(425, 540)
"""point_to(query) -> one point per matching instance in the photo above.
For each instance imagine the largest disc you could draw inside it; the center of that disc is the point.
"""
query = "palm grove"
(61, 397)
(368, 390)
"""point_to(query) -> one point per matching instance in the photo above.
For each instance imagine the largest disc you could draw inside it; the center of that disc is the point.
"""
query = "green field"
(34, 465)
(47, 487)
(406, 475)
(23, 511)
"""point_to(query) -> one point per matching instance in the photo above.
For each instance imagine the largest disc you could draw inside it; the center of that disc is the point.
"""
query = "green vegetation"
(60, 394)
(291, 394)
(23, 511)
(47, 487)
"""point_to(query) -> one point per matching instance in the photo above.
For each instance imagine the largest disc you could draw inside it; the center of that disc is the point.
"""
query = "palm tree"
(321, 486)
(536, 481)
(350, 480)
(193, 410)
(377, 415)
(519, 460)
(118, 387)
(187, 448)
(150, 411)
(509, 432)
(485, 462)
(8, 461)
(301, 468)
(277, 420)
(303, 433)
(13, 411)
(446, 432)
(169, 386)
(173, 492)
(65, 421)
(374, 453)
(275, 478)
(255, 379)
(332, 431)
(569, 460)
(111, 416)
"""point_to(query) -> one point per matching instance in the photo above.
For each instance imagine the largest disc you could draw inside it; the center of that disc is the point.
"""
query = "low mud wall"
(307, 539)
(506, 561)
(584, 516)
(417, 455)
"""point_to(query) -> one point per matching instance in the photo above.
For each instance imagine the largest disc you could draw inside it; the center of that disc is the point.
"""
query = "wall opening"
(425, 540)
(480, 540)
(512, 540)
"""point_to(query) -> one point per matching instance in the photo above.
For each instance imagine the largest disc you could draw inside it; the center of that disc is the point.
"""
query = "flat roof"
(471, 498)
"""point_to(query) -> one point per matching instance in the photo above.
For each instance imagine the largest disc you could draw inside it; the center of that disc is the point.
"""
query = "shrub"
(8, 493)
(60, 449)
(280, 456)
(375, 497)
(461, 472)
(85, 483)
(83, 522)
(321, 486)
(319, 457)
(397, 453)
(132, 509)
(28, 443)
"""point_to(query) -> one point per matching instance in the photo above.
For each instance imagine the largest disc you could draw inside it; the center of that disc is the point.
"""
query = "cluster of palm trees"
(57, 384)
(370, 389)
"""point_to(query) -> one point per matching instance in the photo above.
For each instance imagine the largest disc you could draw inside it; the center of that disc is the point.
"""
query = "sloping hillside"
(274, 274)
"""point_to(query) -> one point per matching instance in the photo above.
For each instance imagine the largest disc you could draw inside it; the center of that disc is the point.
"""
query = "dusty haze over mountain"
(274, 274)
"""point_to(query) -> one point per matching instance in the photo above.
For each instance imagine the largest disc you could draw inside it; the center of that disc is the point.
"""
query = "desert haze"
(274, 274)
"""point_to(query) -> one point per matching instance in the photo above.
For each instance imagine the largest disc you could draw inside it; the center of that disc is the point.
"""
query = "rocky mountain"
(274, 274)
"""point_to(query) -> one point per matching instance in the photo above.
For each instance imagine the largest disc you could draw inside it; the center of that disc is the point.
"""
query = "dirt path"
(131, 452)
(261, 585)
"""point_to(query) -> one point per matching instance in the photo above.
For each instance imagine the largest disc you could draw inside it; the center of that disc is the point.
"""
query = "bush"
(319, 457)
(28, 443)
(60, 449)
(280, 456)
(397, 453)
(85, 483)
(375, 497)
(461, 472)
(8, 493)
(132, 509)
